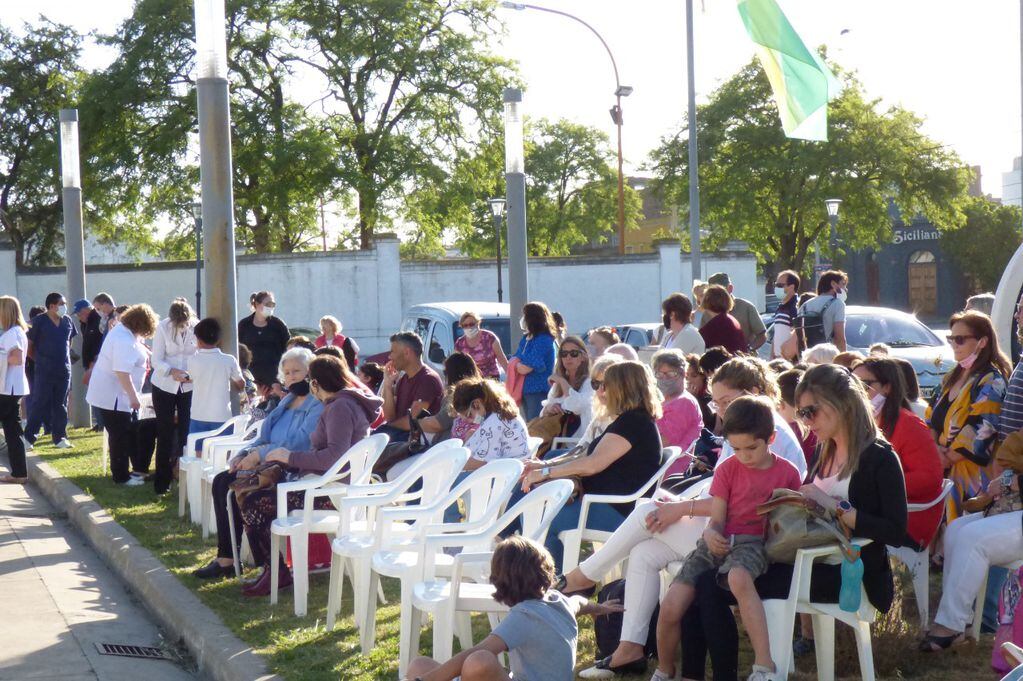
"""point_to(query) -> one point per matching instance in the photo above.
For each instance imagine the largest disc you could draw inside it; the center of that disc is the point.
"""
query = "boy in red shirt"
(733, 542)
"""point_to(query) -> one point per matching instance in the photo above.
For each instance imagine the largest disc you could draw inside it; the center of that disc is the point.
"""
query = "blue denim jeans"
(451, 514)
(532, 403)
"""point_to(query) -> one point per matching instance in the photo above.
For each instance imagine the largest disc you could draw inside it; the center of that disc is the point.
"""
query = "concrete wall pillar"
(388, 266)
(670, 261)
(9, 271)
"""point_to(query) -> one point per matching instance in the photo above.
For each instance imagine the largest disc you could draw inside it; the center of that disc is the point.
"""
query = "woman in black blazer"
(858, 473)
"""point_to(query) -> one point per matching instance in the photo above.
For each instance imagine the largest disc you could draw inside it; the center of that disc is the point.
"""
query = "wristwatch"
(844, 506)
(545, 472)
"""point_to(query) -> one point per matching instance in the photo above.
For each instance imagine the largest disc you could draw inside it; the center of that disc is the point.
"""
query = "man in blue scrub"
(49, 342)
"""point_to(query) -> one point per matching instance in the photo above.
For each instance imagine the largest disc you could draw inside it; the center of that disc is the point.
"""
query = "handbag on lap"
(796, 522)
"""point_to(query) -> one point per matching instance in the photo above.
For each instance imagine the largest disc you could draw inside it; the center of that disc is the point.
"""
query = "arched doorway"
(923, 282)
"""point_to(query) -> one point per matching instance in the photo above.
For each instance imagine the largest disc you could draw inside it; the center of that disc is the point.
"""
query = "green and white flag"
(802, 83)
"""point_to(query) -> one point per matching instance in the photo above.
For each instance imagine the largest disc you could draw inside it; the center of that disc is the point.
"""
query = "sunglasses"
(958, 340)
(808, 413)
(469, 326)
(666, 374)
(595, 384)
(574, 354)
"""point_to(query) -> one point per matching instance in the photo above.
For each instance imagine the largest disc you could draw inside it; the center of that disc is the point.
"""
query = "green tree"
(763, 188)
(571, 193)
(411, 81)
(39, 75)
(970, 245)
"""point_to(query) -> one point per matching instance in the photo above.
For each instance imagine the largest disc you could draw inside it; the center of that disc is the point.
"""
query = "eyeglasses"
(723, 404)
(808, 413)
(958, 340)
(666, 374)
(595, 384)
(574, 354)
(870, 381)
(469, 326)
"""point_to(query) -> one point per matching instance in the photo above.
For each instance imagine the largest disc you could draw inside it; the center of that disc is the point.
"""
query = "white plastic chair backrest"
(247, 433)
(360, 459)
(489, 489)
(697, 490)
(446, 444)
(534, 445)
(669, 455)
(538, 508)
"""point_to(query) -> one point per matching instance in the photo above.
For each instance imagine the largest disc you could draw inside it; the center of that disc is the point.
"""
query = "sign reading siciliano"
(915, 234)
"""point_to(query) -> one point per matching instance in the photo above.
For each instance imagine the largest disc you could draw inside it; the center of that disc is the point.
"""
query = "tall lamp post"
(515, 193)
(74, 248)
(616, 110)
(497, 210)
(695, 253)
(215, 167)
(832, 205)
(197, 221)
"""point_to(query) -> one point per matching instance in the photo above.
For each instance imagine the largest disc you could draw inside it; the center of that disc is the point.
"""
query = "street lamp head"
(514, 150)
(623, 91)
(497, 207)
(210, 39)
(196, 209)
(513, 5)
(616, 114)
(69, 164)
(832, 206)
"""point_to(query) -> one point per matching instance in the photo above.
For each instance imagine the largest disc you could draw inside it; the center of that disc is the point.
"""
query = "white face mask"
(522, 324)
(472, 332)
(779, 292)
(62, 310)
(877, 402)
(842, 295)
(267, 311)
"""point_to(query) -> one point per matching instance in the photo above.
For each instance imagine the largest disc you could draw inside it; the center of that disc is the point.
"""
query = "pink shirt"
(744, 488)
(681, 422)
(483, 354)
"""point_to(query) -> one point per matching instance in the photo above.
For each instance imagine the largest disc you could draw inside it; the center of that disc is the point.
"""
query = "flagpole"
(694, 162)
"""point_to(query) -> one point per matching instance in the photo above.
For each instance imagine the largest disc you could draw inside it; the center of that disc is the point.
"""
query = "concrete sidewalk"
(60, 600)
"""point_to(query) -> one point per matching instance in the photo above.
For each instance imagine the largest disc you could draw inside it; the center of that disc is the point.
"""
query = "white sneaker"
(134, 482)
(28, 445)
(761, 673)
(64, 444)
(660, 676)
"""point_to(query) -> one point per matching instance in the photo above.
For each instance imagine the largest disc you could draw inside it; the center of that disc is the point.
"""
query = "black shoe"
(214, 571)
(562, 584)
(635, 667)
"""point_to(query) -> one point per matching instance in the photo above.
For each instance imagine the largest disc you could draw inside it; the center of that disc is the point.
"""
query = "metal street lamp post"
(197, 221)
(74, 249)
(215, 168)
(497, 209)
(616, 110)
(695, 253)
(515, 193)
(832, 205)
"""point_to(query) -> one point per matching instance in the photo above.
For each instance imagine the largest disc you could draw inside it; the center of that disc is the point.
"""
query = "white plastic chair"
(216, 456)
(698, 490)
(534, 444)
(978, 608)
(564, 442)
(573, 539)
(781, 619)
(439, 598)
(357, 465)
(357, 540)
(1014, 654)
(489, 489)
(190, 466)
(918, 562)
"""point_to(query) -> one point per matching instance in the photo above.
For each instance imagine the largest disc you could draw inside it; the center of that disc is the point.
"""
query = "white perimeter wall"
(370, 290)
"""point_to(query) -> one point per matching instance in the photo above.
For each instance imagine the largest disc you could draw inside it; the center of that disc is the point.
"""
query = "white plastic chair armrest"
(806, 557)
(461, 560)
(294, 486)
(946, 488)
(590, 499)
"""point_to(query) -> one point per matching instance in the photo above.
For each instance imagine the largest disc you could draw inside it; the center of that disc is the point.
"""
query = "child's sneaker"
(760, 673)
(660, 676)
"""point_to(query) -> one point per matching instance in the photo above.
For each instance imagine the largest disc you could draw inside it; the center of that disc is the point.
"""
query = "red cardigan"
(914, 444)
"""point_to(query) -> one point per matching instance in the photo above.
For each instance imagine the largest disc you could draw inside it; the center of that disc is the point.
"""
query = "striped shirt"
(1011, 418)
(783, 317)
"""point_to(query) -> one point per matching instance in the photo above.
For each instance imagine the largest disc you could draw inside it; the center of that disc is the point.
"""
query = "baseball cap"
(81, 305)
(719, 279)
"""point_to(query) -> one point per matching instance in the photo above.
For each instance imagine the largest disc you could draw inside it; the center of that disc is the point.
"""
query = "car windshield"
(862, 331)
(498, 326)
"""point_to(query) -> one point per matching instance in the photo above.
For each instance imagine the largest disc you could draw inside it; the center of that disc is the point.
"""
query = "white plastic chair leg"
(572, 541)
(464, 624)
(921, 589)
(405, 629)
(443, 634)
(195, 491)
(361, 594)
(300, 571)
(335, 590)
(380, 594)
(824, 644)
(275, 562)
(367, 635)
(234, 547)
(781, 616)
(182, 489)
(978, 611)
(865, 650)
(409, 648)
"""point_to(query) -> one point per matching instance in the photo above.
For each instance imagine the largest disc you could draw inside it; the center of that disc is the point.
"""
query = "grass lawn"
(300, 649)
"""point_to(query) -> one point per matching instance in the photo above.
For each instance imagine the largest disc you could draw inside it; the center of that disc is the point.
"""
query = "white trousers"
(648, 554)
(974, 543)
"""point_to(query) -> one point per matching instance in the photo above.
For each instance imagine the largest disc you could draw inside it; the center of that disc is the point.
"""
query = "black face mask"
(300, 389)
(667, 321)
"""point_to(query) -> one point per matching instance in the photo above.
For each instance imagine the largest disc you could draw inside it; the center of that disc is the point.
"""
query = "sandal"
(935, 644)
(11, 480)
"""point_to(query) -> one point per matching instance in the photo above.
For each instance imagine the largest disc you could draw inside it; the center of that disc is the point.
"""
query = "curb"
(218, 652)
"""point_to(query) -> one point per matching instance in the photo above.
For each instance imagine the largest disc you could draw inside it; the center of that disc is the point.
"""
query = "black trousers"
(221, 486)
(10, 419)
(709, 625)
(172, 419)
(122, 442)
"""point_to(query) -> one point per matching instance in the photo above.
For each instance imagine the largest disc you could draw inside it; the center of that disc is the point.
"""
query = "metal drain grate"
(142, 652)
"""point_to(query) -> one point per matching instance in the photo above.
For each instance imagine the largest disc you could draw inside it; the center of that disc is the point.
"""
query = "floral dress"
(483, 354)
(968, 425)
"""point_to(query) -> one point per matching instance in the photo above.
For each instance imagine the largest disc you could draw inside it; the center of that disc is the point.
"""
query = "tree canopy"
(984, 243)
(763, 188)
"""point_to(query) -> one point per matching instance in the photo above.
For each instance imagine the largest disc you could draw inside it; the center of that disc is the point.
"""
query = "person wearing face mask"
(289, 425)
(965, 416)
(265, 335)
(822, 318)
(786, 286)
(681, 421)
(49, 344)
(679, 331)
(500, 431)
(536, 355)
(911, 440)
(570, 393)
(482, 345)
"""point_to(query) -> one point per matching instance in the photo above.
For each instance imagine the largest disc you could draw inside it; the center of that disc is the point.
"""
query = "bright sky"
(954, 63)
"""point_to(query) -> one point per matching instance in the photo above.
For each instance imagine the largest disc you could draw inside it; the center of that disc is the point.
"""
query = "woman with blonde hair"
(116, 384)
(619, 461)
(13, 385)
(482, 345)
(173, 343)
(331, 337)
(570, 393)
